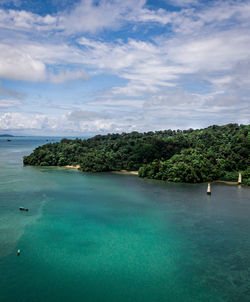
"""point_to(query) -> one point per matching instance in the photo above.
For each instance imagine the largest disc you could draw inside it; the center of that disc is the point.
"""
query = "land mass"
(6, 135)
(193, 156)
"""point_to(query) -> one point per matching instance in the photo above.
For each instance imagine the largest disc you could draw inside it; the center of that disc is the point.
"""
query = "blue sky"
(81, 67)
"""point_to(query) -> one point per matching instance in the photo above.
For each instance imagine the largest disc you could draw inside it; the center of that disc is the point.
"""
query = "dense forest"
(216, 152)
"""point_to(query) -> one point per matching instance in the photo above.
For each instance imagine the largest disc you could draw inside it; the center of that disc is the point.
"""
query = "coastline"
(72, 167)
(77, 167)
(136, 173)
(227, 182)
(126, 172)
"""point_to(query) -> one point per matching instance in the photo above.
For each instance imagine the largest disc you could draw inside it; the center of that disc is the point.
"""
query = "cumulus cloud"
(22, 121)
(49, 124)
(34, 62)
(18, 65)
(161, 111)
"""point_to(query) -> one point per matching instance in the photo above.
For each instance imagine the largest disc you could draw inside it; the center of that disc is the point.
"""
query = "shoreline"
(227, 182)
(126, 172)
(136, 173)
(77, 167)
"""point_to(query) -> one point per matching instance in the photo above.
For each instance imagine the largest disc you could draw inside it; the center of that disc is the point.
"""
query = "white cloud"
(185, 110)
(219, 51)
(28, 123)
(77, 116)
(129, 103)
(86, 16)
(144, 64)
(24, 21)
(9, 103)
(19, 121)
(68, 75)
(144, 15)
(151, 64)
(160, 111)
(91, 16)
(187, 72)
(33, 61)
(148, 67)
(18, 65)
(214, 16)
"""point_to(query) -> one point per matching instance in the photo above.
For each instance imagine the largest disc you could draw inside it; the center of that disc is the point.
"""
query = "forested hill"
(216, 152)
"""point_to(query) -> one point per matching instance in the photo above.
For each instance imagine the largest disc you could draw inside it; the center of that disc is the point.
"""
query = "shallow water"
(108, 237)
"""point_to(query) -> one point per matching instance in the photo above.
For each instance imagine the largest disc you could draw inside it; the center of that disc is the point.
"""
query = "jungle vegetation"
(216, 152)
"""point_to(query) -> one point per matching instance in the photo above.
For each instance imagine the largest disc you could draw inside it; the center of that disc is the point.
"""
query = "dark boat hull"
(23, 209)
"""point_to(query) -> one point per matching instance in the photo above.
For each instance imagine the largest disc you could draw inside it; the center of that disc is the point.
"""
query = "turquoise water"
(108, 237)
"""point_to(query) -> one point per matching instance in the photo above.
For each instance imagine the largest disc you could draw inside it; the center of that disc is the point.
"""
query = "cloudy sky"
(81, 67)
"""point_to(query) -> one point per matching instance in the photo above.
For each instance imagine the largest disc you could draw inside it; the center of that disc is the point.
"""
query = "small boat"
(18, 252)
(23, 209)
(8, 140)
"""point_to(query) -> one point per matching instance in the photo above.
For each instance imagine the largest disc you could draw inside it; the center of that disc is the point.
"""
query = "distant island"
(6, 135)
(192, 156)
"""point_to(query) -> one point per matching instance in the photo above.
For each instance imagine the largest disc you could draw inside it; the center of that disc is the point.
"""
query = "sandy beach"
(72, 167)
(126, 172)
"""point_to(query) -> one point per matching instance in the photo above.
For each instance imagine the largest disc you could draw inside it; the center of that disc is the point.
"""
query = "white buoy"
(18, 252)
(239, 179)
(208, 189)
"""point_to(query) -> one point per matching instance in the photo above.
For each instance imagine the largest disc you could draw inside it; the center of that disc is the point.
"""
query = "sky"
(82, 67)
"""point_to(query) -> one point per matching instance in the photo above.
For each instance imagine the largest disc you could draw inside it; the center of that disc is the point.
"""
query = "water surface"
(108, 237)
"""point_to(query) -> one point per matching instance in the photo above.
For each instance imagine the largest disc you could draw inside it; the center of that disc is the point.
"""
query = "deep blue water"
(108, 237)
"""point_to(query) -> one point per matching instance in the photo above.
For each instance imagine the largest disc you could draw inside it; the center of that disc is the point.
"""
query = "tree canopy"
(216, 152)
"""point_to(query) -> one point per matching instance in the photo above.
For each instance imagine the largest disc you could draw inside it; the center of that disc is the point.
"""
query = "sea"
(110, 237)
